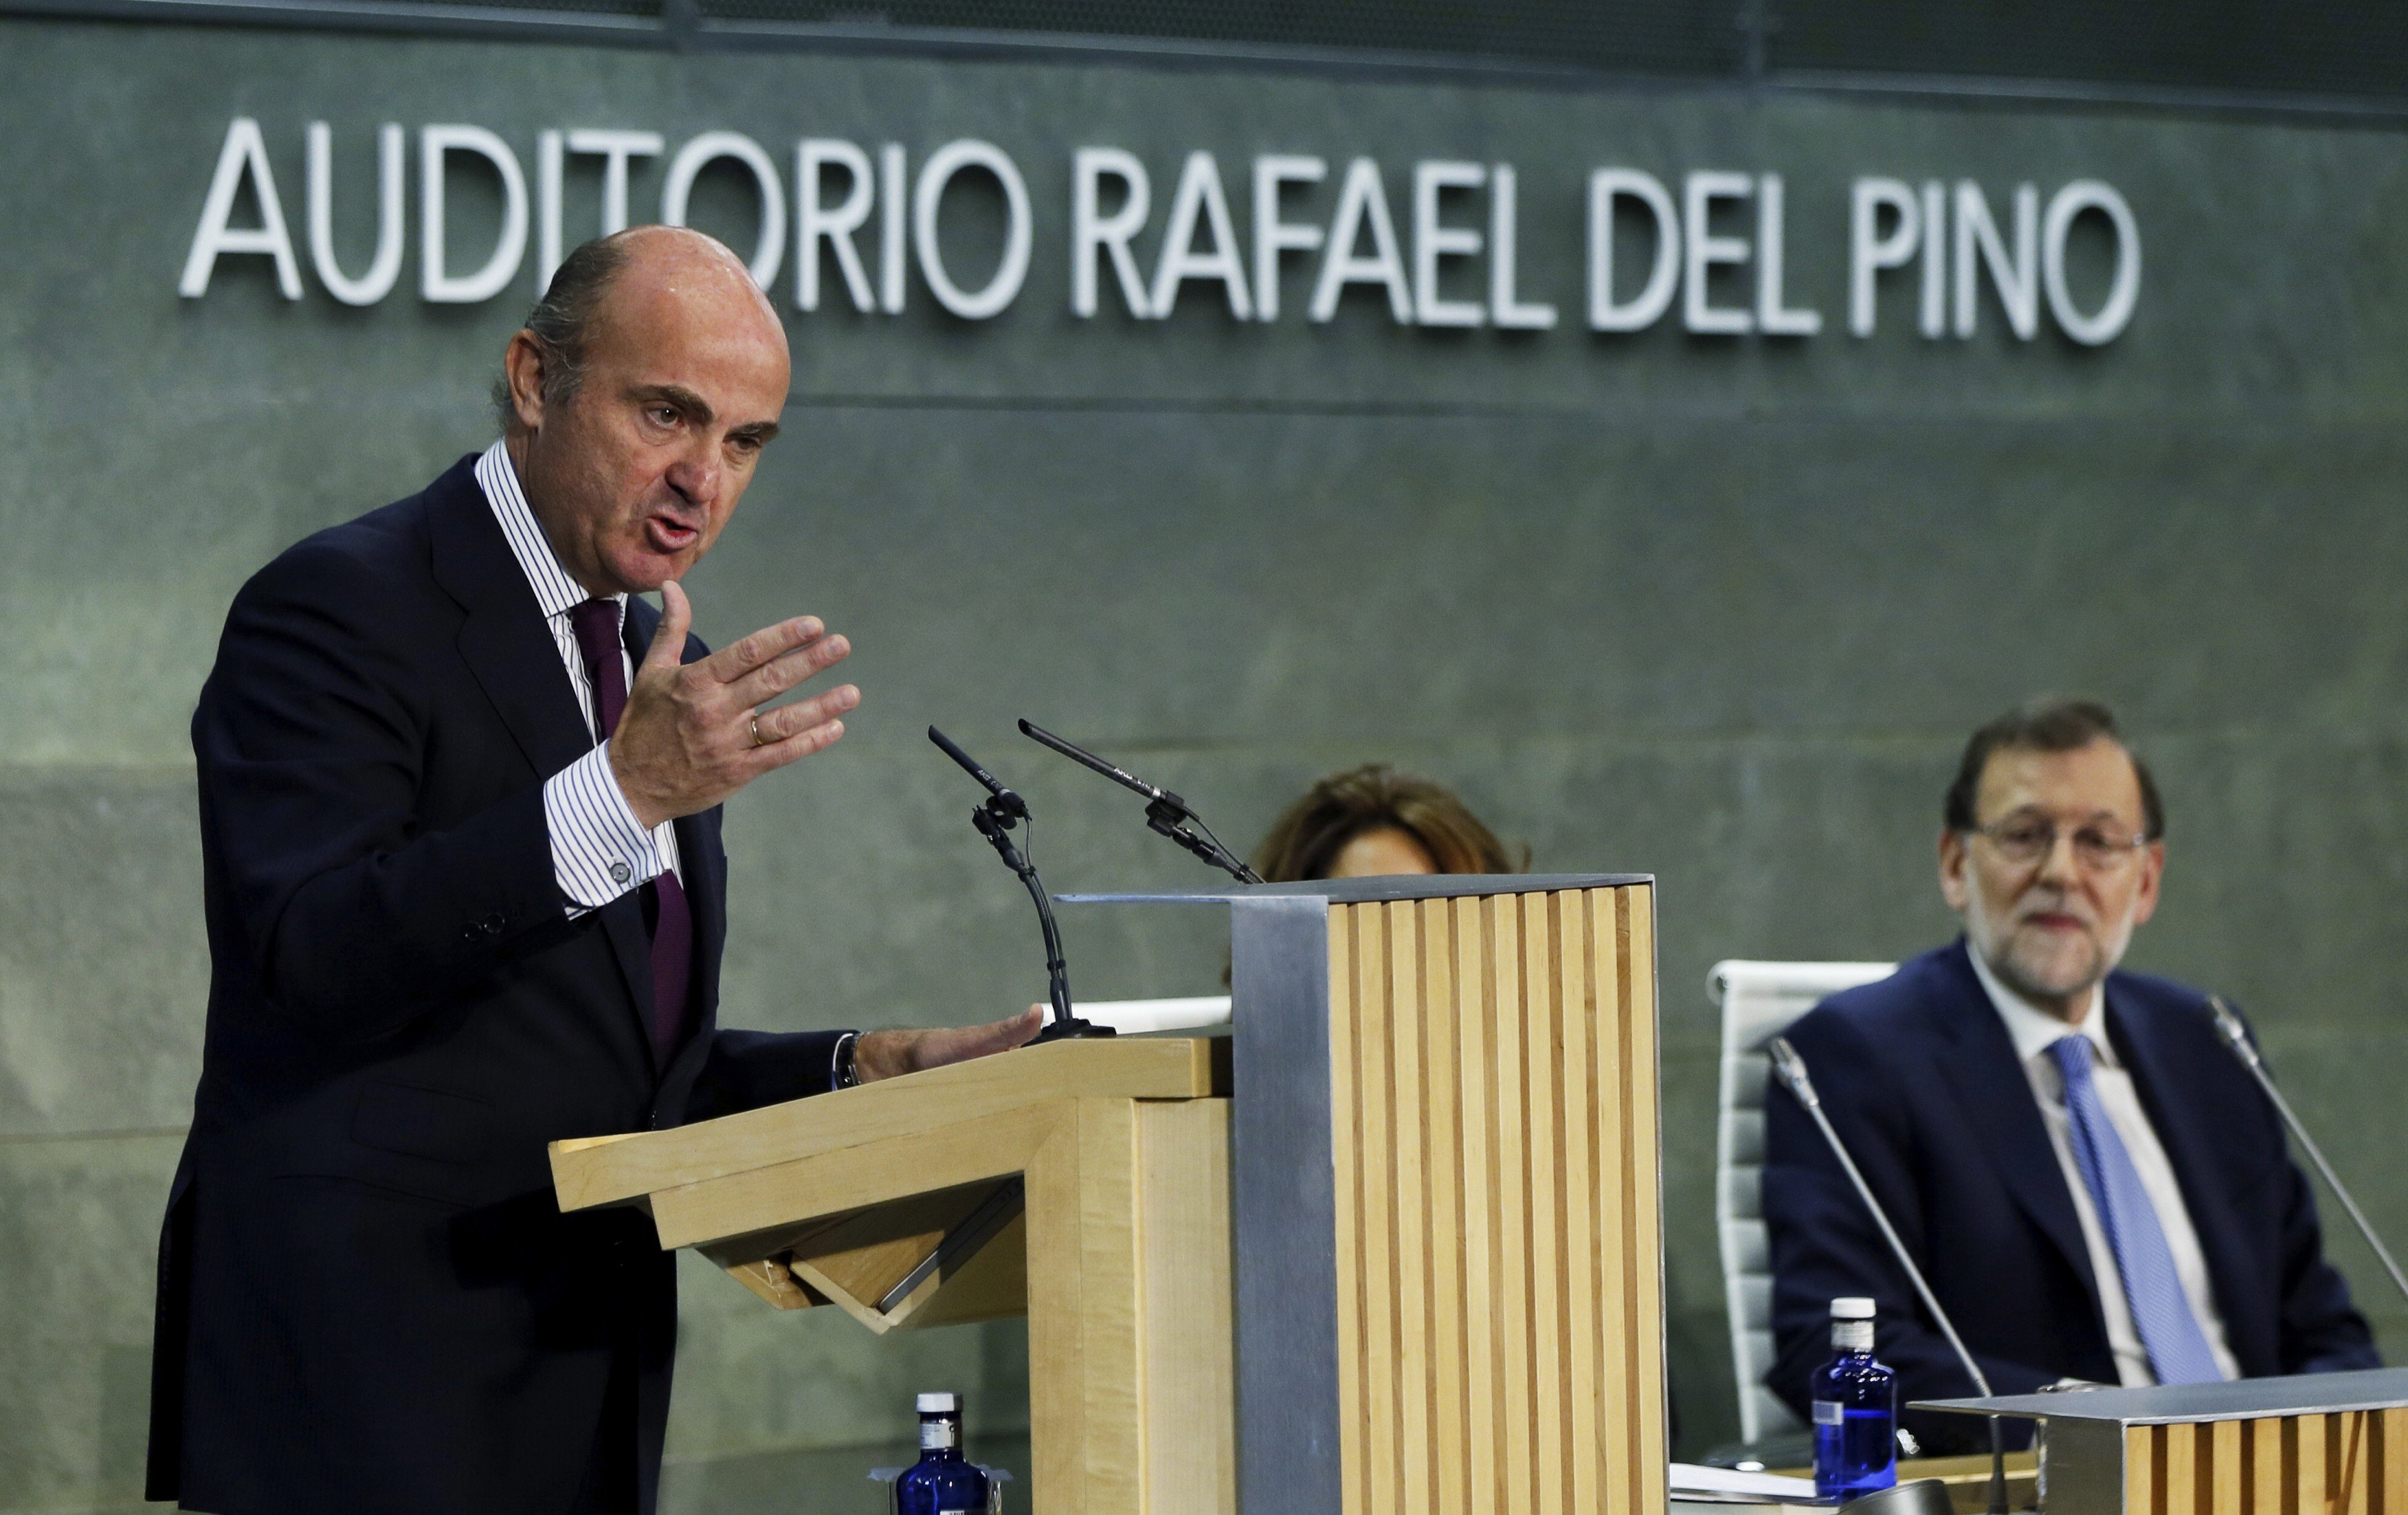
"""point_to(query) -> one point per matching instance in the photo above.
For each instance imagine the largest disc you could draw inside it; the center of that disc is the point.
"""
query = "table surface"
(1968, 1480)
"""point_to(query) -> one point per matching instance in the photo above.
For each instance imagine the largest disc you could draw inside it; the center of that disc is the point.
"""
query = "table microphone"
(1792, 1069)
(2236, 1037)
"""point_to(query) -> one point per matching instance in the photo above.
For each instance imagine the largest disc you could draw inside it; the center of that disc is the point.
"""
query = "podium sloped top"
(610, 1170)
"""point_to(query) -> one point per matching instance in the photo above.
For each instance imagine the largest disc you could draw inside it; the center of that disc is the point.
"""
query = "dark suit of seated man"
(2091, 1183)
(460, 802)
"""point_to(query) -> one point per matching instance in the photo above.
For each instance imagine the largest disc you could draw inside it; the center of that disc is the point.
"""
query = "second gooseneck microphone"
(1792, 1071)
(1165, 811)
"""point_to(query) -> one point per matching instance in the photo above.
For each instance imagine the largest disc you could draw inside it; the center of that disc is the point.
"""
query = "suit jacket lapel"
(1997, 1097)
(503, 638)
(508, 649)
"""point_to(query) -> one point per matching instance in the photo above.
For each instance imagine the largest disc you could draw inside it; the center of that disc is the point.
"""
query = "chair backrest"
(1758, 1000)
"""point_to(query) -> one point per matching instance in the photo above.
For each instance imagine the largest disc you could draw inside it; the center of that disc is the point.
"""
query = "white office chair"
(1759, 1001)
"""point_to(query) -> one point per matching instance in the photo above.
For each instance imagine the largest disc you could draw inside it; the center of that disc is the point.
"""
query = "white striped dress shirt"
(599, 849)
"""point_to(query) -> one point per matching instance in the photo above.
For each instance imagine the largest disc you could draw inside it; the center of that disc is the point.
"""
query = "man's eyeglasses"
(2024, 840)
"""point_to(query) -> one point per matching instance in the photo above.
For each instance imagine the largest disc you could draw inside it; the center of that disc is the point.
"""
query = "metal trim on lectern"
(2241, 1399)
(1281, 1171)
(1384, 886)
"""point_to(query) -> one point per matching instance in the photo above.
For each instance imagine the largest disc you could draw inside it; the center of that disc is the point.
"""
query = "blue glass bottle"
(940, 1482)
(1855, 1409)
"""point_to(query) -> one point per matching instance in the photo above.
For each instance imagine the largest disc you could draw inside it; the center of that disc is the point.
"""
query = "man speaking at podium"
(2092, 1183)
(460, 810)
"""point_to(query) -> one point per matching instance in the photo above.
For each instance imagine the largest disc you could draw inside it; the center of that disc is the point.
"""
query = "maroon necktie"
(596, 623)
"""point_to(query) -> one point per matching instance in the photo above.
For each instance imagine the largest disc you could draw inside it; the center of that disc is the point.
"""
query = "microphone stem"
(994, 820)
(2315, 1155)
(1164, 817)
(1898, 1249)
(1058, 970)
(1998, 1468)
(1880, 1219)
(995, 824)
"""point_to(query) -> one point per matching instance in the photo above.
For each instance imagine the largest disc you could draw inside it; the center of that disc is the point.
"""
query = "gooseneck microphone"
(2236, 1037)
(1165, 811)
(1792, 1069)
(994, 819)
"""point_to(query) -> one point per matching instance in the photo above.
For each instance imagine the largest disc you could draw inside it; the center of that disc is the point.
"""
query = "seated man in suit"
(2092, 1183)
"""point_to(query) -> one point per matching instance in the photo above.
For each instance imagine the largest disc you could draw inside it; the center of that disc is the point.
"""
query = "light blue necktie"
(2177, 1348)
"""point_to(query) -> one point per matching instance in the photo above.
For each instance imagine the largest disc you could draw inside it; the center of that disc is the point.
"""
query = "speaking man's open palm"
(695, 733)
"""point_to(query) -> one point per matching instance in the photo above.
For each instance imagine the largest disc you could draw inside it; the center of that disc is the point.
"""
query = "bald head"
(698, 273)
(563, 322)
(637, 401)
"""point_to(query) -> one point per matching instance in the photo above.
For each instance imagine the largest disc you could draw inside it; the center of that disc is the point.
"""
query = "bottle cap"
(1852, 1308)
(941, 1403)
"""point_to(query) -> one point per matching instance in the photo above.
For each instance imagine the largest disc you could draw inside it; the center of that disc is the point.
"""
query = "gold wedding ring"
(754, 720)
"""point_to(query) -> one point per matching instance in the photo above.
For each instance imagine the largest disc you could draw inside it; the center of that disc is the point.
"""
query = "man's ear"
(523, 365)
(1953, 860)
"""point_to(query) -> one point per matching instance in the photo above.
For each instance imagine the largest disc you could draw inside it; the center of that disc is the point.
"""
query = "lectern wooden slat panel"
(1474, 1047)
(2343, 1464)
(1494, 1153)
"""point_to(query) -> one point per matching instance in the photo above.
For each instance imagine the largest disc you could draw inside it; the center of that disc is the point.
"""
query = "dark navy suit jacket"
(1921, 1081)
(369, 1299)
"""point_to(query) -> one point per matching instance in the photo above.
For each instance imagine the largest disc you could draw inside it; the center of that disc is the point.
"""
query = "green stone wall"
(1717, 609)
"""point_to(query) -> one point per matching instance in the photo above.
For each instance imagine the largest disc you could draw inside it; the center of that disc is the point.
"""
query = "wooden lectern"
(1399, 1249)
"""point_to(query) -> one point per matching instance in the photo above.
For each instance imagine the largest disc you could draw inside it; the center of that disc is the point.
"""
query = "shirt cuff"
(599, 850)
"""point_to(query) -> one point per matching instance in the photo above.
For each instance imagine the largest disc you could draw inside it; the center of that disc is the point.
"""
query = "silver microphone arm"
(2236, 1037)
(1792, 1069)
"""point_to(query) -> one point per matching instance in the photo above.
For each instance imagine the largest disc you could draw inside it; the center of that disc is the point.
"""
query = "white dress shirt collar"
(599, 850)
(556, 592)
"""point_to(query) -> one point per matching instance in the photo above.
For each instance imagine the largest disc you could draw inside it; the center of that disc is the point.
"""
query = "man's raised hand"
(695, 733)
